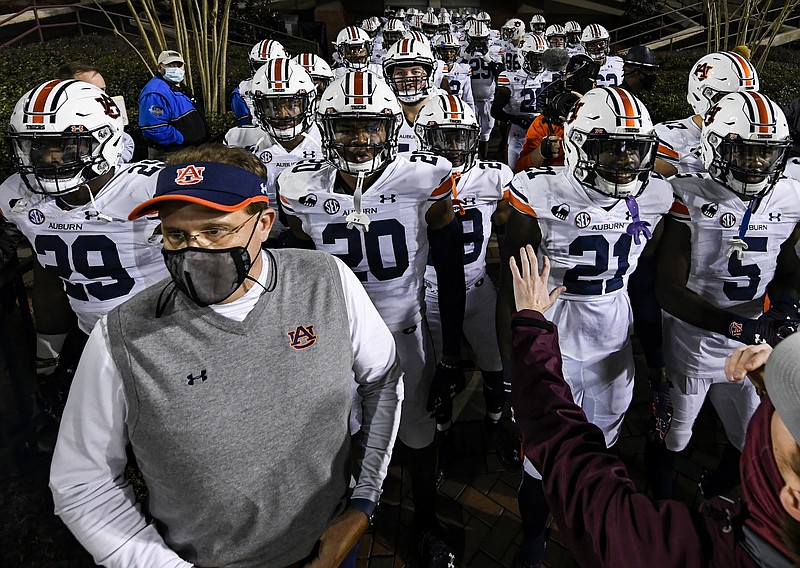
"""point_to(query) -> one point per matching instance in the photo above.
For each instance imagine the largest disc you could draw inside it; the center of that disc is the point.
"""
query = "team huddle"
(676, 230)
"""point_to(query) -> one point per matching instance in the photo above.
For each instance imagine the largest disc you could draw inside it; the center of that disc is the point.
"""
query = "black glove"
(546, 147)
(447, 382)
(495, 68)
(660, 406)
(771, 327)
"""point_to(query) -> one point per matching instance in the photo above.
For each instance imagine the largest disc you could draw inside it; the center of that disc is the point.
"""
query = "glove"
(447, 382)
(660, 406)
(771, 327)
(547, 146)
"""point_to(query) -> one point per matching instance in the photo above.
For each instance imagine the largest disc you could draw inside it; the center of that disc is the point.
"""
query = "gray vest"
(241, 428)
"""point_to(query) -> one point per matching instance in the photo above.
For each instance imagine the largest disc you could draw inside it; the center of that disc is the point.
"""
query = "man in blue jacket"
(168, 112)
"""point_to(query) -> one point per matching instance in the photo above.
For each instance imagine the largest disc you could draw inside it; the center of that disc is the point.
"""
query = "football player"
(574, 31)
(596, 220)
(439, 68)
(393, 31)
(511, 34)
(259, 54)
(459, 73)
(381, 213)
(556, 36)
(318, 69)
(485, 62)
(353, 51)
(712, 77)
(284, 101)
(409, 70)
(515, 97)
(71, 199)
(730, 238)
(538, 24)
(596, 44)
(447, 126)
(430, 25)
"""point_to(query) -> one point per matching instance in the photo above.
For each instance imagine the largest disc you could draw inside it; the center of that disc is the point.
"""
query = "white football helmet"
(284, 98)
(430, 24)
(415, 23)
(371, 27)
(447, 48)
(63, 134)
(393, 31)
(354, 47)
(263, 51)
(538, 24)
(445, 23)
(446, 126)
(478, 37)
(485, 18)
(317, 68)
(556, 36)
(595, 40)
(745, 143)
(529, 53)
(401, 14)
(573, 31)
(417, 36)
(610, 143)
(408, 67)
(512, 30)
(360, 120)
(717, 74)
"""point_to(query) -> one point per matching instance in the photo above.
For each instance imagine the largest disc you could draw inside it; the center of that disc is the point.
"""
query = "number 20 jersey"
(590, 253)
(714, 214)
(102, 258)
(389, 259)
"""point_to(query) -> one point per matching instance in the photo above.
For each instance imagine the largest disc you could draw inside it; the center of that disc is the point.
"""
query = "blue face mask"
(174, 74)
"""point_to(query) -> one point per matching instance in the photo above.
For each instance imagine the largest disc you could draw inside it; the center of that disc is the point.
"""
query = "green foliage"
(26, 66)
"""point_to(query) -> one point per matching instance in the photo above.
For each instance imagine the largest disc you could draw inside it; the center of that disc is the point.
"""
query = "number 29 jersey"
(590, 253)
(389, 259)
(714, 214)
(102, 257)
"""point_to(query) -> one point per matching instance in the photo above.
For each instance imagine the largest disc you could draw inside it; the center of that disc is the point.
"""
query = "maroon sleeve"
(605, 521)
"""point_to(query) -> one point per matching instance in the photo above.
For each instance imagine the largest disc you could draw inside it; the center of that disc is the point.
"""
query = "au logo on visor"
(189, 175)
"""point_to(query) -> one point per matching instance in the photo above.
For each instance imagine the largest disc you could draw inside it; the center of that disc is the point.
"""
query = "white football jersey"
(611, 73)
(459, 78)
(590, 253)
(389, 259)
(714, 215)
(576, 49)
(371, 67)
(510, 57)
(475, 198)
(679, 144)
(482, 80)
(524, 89)
(406, 141)
(102, 258)
(793, 169)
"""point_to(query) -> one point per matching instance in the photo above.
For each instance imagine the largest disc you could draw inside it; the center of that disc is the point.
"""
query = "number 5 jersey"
(102, 257)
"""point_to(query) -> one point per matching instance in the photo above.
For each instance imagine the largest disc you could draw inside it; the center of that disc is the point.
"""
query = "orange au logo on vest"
(190, 175)
(302, 336)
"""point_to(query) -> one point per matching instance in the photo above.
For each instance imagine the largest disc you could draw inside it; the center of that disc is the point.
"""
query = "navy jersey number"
(610, 80)
(455, 87)
(424, 158)
(599, 246)
(528, 101)
(358, 243)
(480, 69)
(472, 229)
(675, 126)
(146, 168)
(751, 272)
(111, 278)
(511, 61)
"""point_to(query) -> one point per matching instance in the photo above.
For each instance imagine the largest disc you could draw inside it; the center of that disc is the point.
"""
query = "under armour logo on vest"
(302, 336)
(191, 378)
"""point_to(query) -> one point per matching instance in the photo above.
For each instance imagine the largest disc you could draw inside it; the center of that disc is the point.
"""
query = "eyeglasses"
(206, 237)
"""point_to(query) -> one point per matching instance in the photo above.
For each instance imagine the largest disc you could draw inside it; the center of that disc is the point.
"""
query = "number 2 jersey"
(714, 214)
(475, 198)
(590, 253)
(389, 259)
(101, 256)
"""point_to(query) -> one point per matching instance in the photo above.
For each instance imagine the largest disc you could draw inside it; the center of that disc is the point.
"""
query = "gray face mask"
(208, 276)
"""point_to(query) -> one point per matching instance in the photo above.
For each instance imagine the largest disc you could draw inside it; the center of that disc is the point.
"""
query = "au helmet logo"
(189, 175)
(302, 337)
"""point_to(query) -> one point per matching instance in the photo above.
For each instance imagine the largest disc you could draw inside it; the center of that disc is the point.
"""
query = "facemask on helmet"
(717, 74)
(512, 30)
(263, 51)
(284, 99)
(447, 48)
(745, 143)
(595, 40)
(317, 68)
(354, 46)
(538, 24)
(408, 68)
(430, 25)
(360, 120)
(371, 27)
(610, 143)
(393, 32)
(529, 54)
(447, 127)
(573, 31)
(478, 36)
(63, 134)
